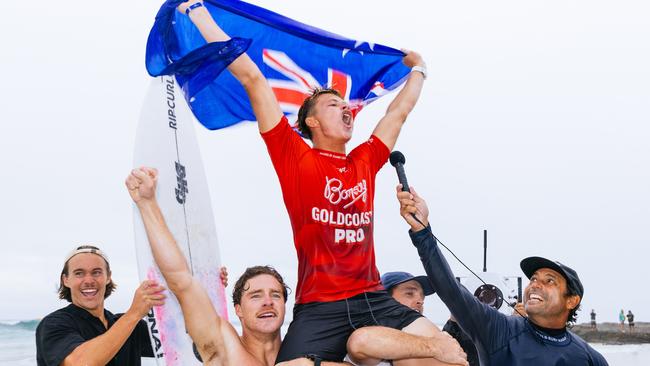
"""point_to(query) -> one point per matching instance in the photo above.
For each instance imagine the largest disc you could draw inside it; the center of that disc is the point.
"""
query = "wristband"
(420, 69)
(192, 7)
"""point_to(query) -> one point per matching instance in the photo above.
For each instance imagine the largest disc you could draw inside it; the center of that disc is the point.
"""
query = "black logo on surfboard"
(155, 334)
(171, 103)
(181, 183)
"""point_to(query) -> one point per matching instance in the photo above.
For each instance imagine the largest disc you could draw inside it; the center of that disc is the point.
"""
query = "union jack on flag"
(294, 57)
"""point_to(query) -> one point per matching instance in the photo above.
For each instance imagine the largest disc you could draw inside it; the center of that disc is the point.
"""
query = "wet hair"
(64, 292)
(573, 313)
(306, 109)
(241, 287)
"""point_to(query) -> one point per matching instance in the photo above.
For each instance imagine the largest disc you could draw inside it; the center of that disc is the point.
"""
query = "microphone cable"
(469, 269)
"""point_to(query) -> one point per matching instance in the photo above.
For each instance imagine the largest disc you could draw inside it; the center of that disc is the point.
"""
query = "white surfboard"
(166, 140)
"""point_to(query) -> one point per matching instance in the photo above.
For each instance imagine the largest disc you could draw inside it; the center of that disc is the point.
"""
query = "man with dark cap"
(410, 291)
(84, 332)
(551, 300)
(407, 289)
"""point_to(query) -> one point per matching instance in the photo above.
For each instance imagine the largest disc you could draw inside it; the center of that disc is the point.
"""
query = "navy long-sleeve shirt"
(499, 339)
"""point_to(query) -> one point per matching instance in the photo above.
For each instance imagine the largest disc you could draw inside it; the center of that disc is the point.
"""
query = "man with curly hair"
(551, 301)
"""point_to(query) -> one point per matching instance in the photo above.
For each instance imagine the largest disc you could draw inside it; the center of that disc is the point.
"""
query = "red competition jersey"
(329, 198)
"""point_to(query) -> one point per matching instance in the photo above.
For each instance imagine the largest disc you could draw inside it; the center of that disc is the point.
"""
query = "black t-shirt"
(464, 340)
(59, 333)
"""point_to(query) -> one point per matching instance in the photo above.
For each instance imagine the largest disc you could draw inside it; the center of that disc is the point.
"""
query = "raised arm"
(486, 326)
(265, 106)
(390, 125)
(100, 350)
(214, 338)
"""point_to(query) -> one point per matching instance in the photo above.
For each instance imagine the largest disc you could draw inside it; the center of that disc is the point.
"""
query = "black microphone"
(398, 160)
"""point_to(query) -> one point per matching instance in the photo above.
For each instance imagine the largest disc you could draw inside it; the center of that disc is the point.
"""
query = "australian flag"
(293, 56)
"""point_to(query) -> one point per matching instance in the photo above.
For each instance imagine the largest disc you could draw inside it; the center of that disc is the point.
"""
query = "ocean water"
(17, 343)
(18, 348)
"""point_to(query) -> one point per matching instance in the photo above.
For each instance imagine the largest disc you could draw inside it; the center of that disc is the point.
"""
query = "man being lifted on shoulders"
(259, 298)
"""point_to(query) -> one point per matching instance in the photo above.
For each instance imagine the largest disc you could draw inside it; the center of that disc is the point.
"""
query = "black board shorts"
(323, 328)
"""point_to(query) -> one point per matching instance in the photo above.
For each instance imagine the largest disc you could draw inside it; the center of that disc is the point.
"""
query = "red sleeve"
(374, 152)
(285, 147)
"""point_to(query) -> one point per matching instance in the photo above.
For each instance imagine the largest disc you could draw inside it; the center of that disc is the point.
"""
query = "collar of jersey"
(331, 154)
(555, 340)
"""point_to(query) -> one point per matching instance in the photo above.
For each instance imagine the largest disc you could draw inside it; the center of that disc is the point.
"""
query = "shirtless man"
(259, 296)
(329, 197)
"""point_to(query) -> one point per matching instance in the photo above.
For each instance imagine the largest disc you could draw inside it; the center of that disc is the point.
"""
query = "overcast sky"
(534, 123)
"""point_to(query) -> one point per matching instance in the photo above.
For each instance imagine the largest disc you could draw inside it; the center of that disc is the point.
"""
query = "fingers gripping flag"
(294, 58)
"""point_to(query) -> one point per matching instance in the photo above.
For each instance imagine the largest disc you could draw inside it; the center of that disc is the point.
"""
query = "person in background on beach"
(339, 288)
(630, 320)
(551, 300)
(593, 319)
(259, 297)
(84, 332)
(621, 320)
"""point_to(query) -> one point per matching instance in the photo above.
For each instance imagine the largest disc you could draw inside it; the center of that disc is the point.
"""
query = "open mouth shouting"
(347, 118)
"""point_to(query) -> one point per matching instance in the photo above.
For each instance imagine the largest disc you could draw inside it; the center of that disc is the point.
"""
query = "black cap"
(531, 264)
(392, 279)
